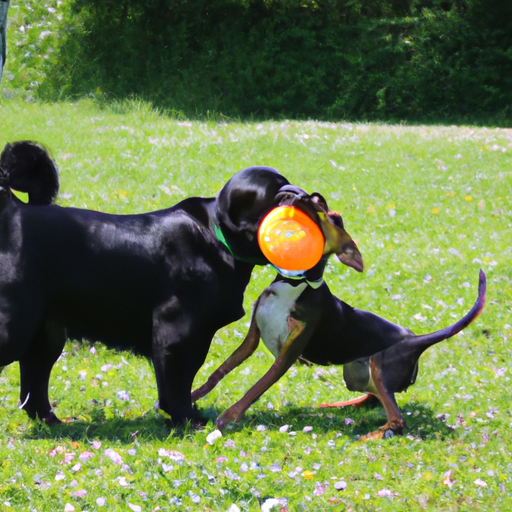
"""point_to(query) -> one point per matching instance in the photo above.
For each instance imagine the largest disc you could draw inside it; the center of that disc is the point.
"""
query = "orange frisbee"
(290, 240)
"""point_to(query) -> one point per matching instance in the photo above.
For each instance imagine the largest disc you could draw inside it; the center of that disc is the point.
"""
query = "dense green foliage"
(400, 60)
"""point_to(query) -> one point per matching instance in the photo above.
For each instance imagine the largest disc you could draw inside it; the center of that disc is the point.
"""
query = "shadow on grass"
(421, 422)
(150, 426)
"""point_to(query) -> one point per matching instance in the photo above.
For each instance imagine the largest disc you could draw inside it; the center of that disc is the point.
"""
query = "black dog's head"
(250, 194)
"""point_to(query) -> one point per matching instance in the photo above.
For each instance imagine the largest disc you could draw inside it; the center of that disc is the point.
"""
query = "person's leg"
(4, 6)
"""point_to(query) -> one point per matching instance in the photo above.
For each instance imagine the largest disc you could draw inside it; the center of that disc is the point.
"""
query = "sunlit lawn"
(428, 205)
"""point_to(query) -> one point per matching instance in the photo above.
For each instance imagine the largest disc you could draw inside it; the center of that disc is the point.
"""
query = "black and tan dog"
(296, 321)
(395, 369)
(160, 283)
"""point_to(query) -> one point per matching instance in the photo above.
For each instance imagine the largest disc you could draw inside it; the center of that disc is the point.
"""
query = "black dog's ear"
(4, 178)
(247, 196)
(288, 194)
(242, 203)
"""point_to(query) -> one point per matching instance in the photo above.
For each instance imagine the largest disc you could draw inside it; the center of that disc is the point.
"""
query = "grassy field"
(428, 205)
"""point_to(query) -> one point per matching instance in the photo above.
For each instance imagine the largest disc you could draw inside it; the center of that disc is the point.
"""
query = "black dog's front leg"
(177, 355)
(35, 368)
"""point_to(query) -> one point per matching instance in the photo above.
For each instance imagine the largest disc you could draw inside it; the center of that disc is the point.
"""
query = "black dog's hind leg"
(35, 368)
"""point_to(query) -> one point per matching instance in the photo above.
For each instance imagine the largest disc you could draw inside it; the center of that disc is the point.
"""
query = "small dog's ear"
(336, 218)
(319, 200)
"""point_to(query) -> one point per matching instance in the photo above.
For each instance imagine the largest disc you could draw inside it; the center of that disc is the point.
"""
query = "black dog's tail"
(27, 167)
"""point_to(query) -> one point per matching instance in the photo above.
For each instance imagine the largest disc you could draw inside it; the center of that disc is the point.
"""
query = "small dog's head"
(250, 194)
(337, 240)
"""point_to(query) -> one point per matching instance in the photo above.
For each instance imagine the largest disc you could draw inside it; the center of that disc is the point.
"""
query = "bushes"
(395, 60)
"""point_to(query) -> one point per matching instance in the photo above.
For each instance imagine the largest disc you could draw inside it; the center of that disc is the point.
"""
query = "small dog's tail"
(399, 363)
(26, 166)
(423, 341)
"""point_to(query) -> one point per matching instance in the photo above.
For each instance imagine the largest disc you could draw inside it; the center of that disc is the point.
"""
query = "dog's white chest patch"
(273, 311)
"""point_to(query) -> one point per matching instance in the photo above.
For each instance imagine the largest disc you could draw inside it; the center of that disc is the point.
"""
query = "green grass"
(429, 206)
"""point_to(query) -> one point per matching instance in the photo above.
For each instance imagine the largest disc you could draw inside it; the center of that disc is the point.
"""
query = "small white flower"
(341, 485)
(213, 436)
(122, 481)
(123, 395)
(385, 493)
(194, 497)
(274, 504)
(113, 456)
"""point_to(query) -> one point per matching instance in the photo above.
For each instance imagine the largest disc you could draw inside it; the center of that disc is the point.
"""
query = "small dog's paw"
(223, 420)
(385, 432)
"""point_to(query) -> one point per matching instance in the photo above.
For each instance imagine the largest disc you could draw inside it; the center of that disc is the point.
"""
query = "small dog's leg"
(360, 401)
(395, 423)
(289, 353)
(247, 348)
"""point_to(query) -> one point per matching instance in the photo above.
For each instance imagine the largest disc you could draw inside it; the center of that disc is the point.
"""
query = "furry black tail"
(27, 167)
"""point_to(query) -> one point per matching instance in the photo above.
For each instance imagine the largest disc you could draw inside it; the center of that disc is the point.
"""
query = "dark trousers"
(4, 6)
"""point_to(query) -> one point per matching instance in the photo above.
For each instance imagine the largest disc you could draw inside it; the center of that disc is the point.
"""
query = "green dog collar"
(220, 235)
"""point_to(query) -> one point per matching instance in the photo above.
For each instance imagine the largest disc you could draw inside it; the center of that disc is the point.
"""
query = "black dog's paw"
(198, 420)
(50, 419)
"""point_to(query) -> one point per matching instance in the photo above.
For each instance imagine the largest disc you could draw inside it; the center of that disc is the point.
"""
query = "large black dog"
(159, 283)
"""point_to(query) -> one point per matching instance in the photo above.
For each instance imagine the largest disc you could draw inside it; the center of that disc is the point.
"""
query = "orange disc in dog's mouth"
(290, 240)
